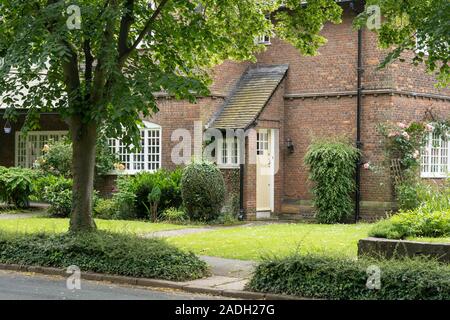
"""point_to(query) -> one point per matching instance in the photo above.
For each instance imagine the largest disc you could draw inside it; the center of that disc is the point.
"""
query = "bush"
(125, 198)
(16, 186)
(40, 182)
(59, 195)
(335, 278)
(57, 158)
(203, 191)
(133, 193)
(431, 218)
(332, 167)
(414, 223)
(174, 215)
(105, 209)
(102, 252)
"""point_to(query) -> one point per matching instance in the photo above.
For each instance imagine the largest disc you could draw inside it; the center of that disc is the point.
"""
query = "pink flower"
(405, 135)
(416, 154)
(393, 134)
(429, 128)
(401, 125)
(366, 165)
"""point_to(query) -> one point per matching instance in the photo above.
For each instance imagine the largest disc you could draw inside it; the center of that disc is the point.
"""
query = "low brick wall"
(377, 247)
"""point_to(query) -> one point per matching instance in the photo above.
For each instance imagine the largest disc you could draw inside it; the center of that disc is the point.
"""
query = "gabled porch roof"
(252, 93)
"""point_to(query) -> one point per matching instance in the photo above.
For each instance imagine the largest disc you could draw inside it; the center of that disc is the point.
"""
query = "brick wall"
(47, 122)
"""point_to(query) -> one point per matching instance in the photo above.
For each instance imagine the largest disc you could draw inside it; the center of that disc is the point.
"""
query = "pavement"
(30, 286)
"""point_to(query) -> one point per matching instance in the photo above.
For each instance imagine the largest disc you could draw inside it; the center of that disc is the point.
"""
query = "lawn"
(252, 243)
(58, 225)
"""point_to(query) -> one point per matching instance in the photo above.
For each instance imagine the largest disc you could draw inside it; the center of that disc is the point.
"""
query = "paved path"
(22, 286)
(227, 274)
(186, 231)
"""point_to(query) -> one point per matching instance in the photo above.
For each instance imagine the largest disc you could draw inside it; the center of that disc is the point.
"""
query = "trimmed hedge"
(334, 278)
(102, 252)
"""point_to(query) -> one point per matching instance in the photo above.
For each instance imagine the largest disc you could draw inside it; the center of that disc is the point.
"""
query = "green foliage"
(203, 191)
(411, 195)
(323, 277)
(102, 252)
(403, 142)
(174, 215)
(40, 182)
(419, 27)
(57, 158)
(332, 165)
(414, 223)
(429, 218)
(135, 194)
(125, 198)
(105, 209)
(16, 186)
(59, 196)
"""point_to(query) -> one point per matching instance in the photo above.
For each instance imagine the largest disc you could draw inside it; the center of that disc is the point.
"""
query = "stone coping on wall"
(388, 248)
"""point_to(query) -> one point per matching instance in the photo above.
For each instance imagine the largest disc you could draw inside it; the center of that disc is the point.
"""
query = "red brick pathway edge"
(144, 282)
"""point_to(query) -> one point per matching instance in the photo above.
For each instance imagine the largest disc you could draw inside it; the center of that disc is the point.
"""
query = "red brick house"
(287, 99)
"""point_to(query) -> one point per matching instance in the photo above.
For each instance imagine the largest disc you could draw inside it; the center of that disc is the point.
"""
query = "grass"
(440, 240)
(59, 225)
(253, 243)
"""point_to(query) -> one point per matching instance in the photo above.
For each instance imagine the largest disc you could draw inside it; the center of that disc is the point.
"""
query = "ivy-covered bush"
(105, 209)
(102, 252)
(135, 194)
(203, 191)
(323, 277)
(332, 165)
(57, 158)
(16, 186)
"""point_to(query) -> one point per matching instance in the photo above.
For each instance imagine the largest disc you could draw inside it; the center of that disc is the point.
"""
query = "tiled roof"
(252, 93)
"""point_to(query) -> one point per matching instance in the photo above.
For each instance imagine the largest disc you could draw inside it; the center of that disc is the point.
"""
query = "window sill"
(434, 176)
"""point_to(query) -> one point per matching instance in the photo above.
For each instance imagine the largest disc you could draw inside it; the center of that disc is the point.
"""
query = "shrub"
(102, 252)
(336, 278)
(59, 195)
(105, 209)
(174, 215)
(134, 194)
(16, 186)
(414, 223)
(203, 191)
(40, 182)
(57, 158)
(332, 165)
(125, 198)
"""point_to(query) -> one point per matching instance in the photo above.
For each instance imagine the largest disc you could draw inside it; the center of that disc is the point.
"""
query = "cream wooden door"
(264, 170)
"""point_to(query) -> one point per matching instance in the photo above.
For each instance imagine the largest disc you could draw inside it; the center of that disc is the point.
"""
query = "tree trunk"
(83, 137)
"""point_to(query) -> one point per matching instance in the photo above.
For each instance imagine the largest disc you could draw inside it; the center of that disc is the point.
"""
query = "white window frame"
(263, 39)
(139, 162)
(29, 161)
(229, 142)
(432, 153)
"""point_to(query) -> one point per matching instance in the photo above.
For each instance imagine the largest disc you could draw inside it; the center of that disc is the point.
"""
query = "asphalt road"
(27, 286)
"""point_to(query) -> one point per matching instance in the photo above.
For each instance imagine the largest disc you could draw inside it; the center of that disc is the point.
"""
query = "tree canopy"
(419, 27)
(101, 68)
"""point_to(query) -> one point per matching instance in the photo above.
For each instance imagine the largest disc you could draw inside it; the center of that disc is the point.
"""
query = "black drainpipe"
(241, 192)
(358, 129)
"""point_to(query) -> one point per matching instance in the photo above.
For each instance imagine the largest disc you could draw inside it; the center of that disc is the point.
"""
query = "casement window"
(228, 152)
(148, 156)
(435, 160)
(30, 147)
(263, 39)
